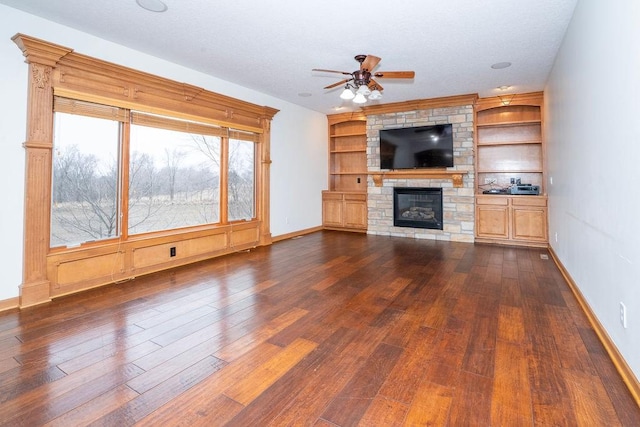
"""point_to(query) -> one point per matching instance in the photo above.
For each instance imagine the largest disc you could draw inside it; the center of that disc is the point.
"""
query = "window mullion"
(124, 180)
(224, 180)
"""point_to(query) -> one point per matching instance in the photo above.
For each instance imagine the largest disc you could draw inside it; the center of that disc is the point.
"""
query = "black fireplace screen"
(417, 207)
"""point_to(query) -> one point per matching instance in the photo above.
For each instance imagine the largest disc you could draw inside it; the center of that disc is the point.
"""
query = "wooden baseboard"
(9, 304)
(296, 234)
(621, 365)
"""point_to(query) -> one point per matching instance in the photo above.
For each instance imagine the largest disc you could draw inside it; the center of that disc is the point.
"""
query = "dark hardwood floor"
(330, 329)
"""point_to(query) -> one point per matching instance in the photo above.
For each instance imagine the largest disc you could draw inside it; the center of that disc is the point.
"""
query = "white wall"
(298, 137)
(593, 136)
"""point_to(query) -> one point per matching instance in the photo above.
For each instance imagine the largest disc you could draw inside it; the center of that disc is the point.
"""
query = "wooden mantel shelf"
(455, 176)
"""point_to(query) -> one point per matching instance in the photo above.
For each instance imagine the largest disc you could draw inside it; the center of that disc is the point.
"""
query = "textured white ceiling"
(272, 45)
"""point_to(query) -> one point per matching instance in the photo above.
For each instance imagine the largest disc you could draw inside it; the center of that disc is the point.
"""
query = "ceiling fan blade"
(374, 85)
(395, 74)
(331, 71)
(341, 82)
(369, 63)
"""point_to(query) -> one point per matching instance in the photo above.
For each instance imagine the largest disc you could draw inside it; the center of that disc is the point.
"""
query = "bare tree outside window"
(85, 180)
(241, 180)
(178, 181)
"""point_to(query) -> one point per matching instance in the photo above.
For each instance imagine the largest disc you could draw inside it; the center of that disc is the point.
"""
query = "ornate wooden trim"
(532, 98)
(345, 117)
(58, 69)
(39, 51)
(454, 176)
(420, 104)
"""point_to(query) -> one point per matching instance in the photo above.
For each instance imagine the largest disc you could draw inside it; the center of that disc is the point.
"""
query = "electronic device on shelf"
(526, 189)
(496, 191)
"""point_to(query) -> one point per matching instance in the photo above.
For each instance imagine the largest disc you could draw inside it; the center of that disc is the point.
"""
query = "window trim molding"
(57, 69)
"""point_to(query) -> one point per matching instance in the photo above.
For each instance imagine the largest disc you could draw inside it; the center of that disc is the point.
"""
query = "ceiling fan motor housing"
(361, 77)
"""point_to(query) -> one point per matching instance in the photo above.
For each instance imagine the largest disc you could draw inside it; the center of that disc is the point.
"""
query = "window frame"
(55, 69)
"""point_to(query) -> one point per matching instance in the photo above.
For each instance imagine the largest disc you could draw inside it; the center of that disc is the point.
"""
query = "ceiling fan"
(362, 80)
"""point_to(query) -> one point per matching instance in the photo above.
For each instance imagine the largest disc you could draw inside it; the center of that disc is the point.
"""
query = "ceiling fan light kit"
(375, 95)
(347, 93)
(361, 80)
(359, 99)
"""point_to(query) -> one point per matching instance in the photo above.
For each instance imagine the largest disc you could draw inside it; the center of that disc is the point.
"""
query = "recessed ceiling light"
(304, 94)
(152, 5)
(501, 65)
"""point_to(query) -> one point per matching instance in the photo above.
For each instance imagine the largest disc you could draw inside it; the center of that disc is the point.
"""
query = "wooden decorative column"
(263, 205)
(42, 58)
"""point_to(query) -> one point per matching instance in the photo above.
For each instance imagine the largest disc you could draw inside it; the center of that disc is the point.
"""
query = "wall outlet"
(490, 180)
(172, 251)
(556, 237)
(550, 180)
(512, 181)
(286, 220)
(623, 315)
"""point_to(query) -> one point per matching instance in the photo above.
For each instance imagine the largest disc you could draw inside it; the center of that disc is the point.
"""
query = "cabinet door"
(355, 214)
(332, 212)
(530, 224)
(492, 221)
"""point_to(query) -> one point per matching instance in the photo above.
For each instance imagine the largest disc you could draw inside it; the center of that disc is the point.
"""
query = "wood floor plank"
(401, 383)
(384, 412)
(315, 380)
(8, 364)
(589, 399)
(329, 329)
(471, 403)
(206, 340)
(260, 379)
(352, 402)
(31, 409)
(196, 404)
(511, 325)
(430, 406)
(141, 406)
(244, 344)
(511, 404)
(96, 408)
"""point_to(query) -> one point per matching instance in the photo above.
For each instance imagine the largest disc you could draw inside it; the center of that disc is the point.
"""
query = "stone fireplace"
(458, 206)
(417, 208)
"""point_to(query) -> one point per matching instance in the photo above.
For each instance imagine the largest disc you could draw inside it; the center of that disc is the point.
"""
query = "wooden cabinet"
(344, 211)
(492, 217)
(513, 220)
(344, 205)
(509, 146)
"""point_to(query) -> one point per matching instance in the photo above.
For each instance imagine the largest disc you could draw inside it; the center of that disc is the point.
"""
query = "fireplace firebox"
(417, 207)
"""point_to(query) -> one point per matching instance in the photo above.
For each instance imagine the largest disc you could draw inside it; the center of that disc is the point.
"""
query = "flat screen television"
(416, 147)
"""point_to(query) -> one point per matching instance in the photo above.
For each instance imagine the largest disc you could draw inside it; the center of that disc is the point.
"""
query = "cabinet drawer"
(331, 196)
(492, 200)
(529, 201)
(355, 197)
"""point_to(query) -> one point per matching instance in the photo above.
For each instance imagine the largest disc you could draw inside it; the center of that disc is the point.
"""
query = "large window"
(85, 179)
(174, 179)
(141, 173)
